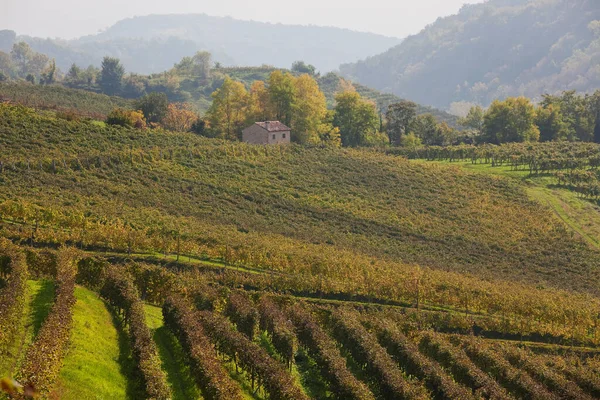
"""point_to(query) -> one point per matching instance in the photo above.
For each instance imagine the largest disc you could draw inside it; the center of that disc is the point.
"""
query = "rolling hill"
(199, 267)
(154, 43)
(492, 50)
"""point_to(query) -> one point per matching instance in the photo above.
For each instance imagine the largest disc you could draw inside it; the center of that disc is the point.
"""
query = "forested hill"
(154, 43)
(492, 50)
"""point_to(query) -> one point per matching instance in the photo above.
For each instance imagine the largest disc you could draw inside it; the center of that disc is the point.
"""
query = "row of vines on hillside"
(208, 371)
(263, 370)
(385, 376)
(13, 276)
(43, 360)
(122, 295)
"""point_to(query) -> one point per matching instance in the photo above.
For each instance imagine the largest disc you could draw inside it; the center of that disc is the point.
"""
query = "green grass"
(40, 297)
(171, 354)
(93, 367)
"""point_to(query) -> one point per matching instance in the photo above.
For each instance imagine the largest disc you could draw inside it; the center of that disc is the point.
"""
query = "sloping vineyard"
(359, 352)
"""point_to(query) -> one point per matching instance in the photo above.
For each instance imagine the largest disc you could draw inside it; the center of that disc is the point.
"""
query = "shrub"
(126, 118)
(67, 115)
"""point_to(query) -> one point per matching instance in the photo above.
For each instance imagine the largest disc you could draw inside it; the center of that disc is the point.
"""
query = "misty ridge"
(154, 43)
(491, 51)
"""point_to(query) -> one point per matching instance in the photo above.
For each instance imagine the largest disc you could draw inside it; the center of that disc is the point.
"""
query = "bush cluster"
(120, 292)
(324, 351)
(365, 349)
(43, 360)
(126, 118)
(207, 369)
(263, 370)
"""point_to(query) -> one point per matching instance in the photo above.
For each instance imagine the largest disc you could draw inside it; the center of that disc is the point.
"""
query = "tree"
(134, 86)
(282, 93)
(200, 65)
(425, 127)
(410, 140)
(473, 120)
(576, 114)
(21, 55)
(30, 78)
(179, 118)
(6, 65)
(512, 120)
(154, 106)
(48, 77)
(202, 61)
(551, 124)
(90, 75)
(400, 117)
(259, 103)
(355, 118)
(303, 68)
(228, 112)
(597, 128)
(309, 110)
(329, 135)
(74, 74)
(111, 75)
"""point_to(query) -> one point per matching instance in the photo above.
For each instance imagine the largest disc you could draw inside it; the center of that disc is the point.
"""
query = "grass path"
(93, 367)
(40, 297)
(171, 354)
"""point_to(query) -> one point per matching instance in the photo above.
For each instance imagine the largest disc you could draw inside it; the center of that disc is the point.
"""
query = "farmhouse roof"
(273, 126)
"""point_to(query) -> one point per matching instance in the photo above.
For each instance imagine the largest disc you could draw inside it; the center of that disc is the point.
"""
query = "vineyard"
(58, 98)
(146, 264)
(571, 166)
(244, 344)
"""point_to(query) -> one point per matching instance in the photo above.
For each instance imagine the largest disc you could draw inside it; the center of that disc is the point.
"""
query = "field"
(185, 267)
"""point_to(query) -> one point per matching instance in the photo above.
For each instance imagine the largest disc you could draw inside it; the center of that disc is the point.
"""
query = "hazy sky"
(73, 18)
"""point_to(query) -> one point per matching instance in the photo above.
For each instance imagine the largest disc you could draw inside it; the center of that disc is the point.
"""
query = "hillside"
(492, 50)
(89, 103)
(346, 203)
(158, 265)
(154, 43)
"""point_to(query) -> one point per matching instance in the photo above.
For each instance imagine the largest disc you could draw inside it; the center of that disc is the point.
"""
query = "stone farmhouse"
(267, 132)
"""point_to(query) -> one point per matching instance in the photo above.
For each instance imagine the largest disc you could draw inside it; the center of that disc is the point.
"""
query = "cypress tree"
(597, 128)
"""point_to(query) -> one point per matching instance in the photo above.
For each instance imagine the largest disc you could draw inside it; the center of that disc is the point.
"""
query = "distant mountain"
(492, 50)
(154, 43)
